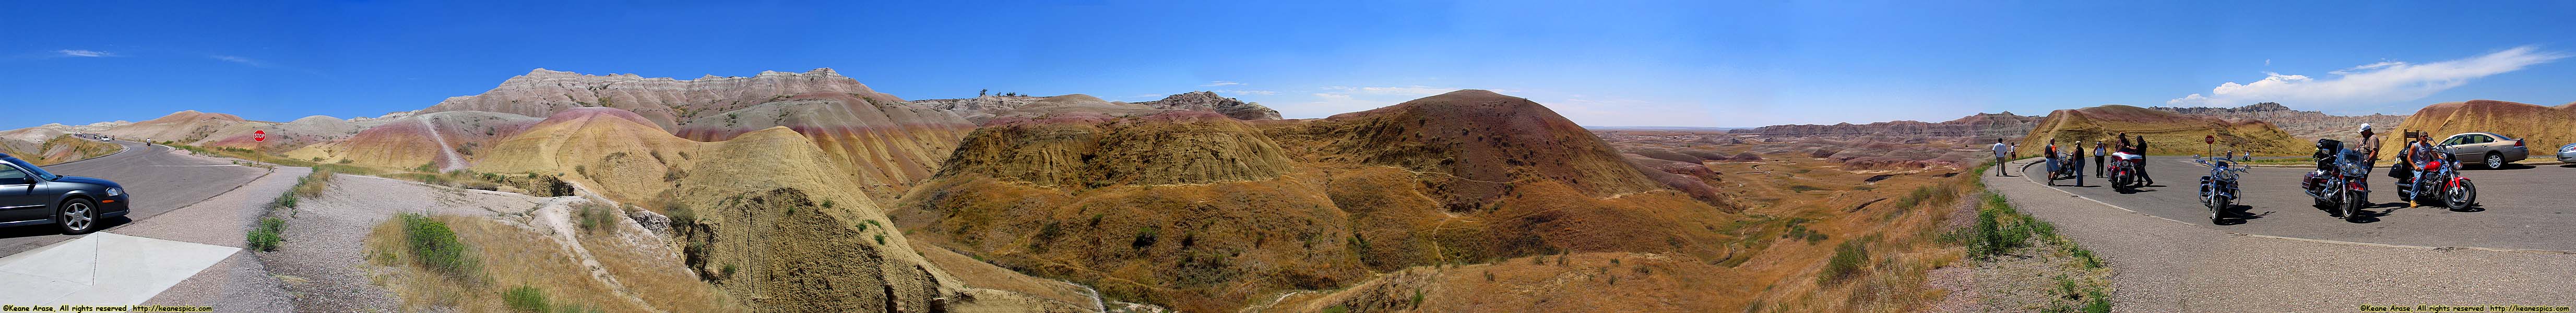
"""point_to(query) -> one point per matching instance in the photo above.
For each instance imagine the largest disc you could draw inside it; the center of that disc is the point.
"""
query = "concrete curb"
(2365, 244)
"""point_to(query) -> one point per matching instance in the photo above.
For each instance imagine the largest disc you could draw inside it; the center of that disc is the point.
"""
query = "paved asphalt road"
(158, 179)
(2521, 207)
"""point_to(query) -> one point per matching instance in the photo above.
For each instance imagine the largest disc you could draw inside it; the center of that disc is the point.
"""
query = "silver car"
(2486, 149)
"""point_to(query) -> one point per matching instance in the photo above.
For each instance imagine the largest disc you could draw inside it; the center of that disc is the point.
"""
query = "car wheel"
(78, 216)
(2495, 161)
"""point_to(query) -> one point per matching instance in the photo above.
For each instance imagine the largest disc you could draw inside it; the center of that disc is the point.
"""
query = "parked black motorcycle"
(2338, 183)
(2218, 189)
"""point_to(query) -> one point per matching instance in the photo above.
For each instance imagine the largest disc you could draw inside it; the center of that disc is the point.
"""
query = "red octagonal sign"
(259, 136)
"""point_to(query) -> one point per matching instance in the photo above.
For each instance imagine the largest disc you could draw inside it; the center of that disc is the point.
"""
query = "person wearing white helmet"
(2369, 143)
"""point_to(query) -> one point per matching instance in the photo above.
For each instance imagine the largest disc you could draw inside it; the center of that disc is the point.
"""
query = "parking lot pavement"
(2521, 207)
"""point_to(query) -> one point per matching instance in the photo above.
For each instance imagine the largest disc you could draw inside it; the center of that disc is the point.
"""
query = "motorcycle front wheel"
(2352, 204)
(2460, 198)
(2217, 208)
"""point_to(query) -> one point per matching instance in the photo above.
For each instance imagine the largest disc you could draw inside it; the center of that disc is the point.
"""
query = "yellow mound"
(2166, 133)
(767, 216)
(2542, 129)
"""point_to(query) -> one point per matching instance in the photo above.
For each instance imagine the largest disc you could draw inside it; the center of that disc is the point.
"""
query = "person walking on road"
(2000, 158)
(2001, 152)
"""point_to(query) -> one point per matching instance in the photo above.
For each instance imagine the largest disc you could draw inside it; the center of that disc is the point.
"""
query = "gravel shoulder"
(239, 283)
(2168, 266)
(325, 251)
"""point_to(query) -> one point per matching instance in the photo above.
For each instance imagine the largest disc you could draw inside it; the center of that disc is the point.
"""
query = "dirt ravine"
(2166, 266)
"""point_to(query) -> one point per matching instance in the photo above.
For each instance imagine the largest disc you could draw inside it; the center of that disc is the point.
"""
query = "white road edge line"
(2072, 194)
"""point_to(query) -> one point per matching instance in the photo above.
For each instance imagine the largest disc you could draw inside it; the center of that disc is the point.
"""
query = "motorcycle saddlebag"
(2314, 178)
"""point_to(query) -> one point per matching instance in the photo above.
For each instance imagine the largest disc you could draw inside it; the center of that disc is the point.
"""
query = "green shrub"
(2099, 304)
(1849, 259)
(434, 245)
(282, 201)
(268, 235)
(525, 299)
(1146, 236)
(312, 185)
(593, 216)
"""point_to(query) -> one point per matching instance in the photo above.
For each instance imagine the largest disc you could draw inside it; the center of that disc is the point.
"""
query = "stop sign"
(259, 136)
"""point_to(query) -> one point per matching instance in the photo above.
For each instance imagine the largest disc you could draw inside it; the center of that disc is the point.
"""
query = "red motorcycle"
(2455, 192)
(2124, 171)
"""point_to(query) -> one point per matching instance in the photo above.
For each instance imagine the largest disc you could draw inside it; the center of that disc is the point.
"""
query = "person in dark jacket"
(2142, 162)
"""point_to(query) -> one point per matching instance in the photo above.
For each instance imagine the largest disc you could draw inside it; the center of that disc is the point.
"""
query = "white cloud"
(1220, 83)
(242, 60)
(2375, 83)
(1249, 92)
(84, 53)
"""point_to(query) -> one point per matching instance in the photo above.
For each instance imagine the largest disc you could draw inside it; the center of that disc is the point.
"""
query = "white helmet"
(2365, 127)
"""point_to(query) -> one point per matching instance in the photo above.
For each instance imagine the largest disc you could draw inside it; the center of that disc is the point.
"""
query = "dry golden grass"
(509, 257)
(661, 279)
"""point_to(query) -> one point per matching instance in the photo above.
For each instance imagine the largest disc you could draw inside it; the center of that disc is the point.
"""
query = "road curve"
(159, 179)
(2521, 207)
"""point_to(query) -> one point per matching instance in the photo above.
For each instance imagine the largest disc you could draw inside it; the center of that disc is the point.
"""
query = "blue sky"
(1601, 63)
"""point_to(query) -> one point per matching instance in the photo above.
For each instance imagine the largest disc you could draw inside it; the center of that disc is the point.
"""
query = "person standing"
(2097, 160)
(2049, 153)
(2001, 152)
(2370, 143)
(2142, 162)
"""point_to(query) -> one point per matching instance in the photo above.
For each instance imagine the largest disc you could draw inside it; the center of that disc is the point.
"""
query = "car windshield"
(38, 172)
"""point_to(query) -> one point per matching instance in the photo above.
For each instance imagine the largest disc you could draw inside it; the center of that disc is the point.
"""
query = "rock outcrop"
(2306, 125)
(887, 146)
(665, 101)
(1210, 101)
(1980, 126)
(981, 108)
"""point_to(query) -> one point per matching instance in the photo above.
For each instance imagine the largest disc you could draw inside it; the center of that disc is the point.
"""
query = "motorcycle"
(2124, 171)
(2218, 189)
(2065, 168)
(2338, 183)
(2455, 192)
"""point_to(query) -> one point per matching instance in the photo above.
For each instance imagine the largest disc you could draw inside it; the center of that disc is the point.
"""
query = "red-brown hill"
(1204, 212)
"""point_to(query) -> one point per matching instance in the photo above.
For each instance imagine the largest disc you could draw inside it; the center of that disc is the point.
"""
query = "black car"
(31, 196)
